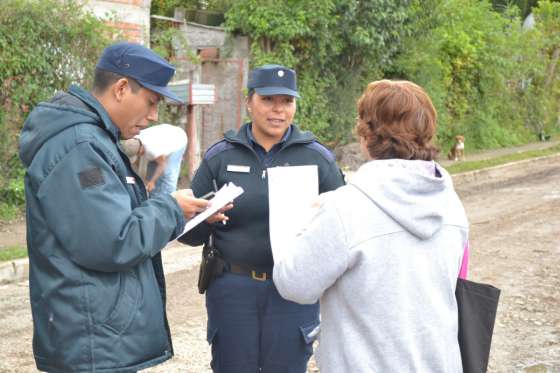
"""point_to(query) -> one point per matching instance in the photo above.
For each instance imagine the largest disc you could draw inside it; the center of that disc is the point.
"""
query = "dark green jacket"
(96, 278)
(245, 238)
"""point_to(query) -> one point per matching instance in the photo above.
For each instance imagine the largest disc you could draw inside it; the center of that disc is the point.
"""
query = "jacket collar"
(96, 106)
(295, 136)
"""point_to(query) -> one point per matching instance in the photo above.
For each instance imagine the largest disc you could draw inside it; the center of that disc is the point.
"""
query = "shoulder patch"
(91, 177)
(217, 148)
(322, 149)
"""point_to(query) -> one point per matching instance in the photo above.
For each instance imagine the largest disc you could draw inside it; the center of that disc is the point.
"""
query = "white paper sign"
(227, 194)
(291, 193)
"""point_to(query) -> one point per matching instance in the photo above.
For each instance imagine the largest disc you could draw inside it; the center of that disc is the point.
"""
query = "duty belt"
(259, 274)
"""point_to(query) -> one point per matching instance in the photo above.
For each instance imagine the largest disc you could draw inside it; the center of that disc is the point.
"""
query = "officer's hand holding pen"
(219, 215)
(189, 203)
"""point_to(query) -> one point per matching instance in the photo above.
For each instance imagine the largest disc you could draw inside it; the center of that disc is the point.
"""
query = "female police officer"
(251, 328)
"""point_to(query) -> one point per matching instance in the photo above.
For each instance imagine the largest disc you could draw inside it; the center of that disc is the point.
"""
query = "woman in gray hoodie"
(383, 253)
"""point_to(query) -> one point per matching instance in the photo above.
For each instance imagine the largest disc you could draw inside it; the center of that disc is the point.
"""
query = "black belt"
(259, 274)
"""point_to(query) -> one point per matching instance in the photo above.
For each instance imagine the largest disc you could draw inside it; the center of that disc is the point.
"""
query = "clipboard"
(225, 195)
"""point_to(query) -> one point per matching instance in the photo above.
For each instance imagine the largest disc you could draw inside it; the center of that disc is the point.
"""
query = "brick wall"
(131, 17)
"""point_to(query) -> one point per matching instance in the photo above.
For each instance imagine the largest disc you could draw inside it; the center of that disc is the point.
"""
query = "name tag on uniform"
(130, 180)
(237, 168)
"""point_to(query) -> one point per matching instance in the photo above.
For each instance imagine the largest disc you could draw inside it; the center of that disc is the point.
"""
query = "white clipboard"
(225, 195)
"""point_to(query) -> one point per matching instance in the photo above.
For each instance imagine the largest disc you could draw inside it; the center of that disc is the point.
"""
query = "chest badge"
(130, 180)
(238, 168)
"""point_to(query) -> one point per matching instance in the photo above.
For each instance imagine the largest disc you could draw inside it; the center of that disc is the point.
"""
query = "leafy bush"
(484, 73)
(467, 58)
(543, 83)
(489, 79)
(44, 46)
(335, 46)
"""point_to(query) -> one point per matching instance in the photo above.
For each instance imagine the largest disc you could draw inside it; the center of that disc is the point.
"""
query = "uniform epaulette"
(217, 148)
(322, 149)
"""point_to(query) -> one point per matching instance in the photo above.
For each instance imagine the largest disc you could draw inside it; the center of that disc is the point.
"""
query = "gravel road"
(515, 222)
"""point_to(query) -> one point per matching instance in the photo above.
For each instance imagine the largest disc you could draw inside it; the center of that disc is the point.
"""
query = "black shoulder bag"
(477, 304)
(211, 265)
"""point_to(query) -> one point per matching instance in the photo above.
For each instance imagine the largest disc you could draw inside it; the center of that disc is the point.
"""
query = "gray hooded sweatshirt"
(382, 255)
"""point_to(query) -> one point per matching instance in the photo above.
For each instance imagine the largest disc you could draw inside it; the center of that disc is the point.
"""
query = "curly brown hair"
(397, 120)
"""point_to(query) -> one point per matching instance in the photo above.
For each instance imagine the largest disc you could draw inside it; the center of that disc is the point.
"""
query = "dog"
(457, 151)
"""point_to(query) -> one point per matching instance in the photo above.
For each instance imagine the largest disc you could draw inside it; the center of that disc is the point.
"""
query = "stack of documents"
(227, 194)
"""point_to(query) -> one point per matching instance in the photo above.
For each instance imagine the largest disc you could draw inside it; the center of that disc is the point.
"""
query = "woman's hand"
(219, 215)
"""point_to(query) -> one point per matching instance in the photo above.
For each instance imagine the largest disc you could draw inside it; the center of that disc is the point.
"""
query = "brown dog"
(457, 151)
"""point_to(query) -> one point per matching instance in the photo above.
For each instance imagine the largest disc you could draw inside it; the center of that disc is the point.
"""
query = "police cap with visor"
(141, 64)
(269, 80)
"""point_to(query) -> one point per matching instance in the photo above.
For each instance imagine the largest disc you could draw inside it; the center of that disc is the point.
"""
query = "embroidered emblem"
(91, 177)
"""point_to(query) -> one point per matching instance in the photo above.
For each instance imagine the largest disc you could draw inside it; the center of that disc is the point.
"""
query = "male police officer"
(96, 277)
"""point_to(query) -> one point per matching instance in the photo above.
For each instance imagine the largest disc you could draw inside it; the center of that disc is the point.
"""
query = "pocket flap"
(127, 304)
(310, 331)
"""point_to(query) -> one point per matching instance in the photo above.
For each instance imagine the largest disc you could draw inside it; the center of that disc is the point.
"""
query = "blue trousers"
(253, 329)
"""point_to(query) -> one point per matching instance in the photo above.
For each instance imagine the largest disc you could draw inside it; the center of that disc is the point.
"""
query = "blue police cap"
(269, 80)
(141, 64)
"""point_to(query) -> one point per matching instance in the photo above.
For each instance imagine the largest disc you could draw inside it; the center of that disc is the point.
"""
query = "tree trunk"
(552, 67)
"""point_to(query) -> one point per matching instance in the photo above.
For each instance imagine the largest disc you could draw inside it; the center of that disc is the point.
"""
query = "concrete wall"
(202, 36)
(131, 17)
(224, 62)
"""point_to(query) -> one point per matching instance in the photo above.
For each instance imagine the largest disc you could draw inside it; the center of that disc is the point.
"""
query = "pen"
(208, 195)
(216, 190)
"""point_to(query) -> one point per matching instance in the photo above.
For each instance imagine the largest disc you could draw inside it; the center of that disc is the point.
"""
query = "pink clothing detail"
(465, 263)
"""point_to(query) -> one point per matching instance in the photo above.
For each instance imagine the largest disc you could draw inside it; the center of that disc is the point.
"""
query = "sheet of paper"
(225, 195)
(291, 192)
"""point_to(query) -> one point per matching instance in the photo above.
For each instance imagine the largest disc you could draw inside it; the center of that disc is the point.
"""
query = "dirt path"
(12, 234)
(514, 233)
(515, 220)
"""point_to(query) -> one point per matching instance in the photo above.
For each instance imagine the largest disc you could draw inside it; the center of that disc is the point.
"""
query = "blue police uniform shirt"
(264, 156)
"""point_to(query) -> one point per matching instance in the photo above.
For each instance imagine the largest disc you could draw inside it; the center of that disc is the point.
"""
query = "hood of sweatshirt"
(413, 193)
(63, 111)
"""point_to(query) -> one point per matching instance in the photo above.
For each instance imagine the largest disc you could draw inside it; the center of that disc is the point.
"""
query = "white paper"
(291, 193)
(227, 194)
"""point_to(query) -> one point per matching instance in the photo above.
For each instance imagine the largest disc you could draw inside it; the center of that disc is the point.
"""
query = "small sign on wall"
(192, 93)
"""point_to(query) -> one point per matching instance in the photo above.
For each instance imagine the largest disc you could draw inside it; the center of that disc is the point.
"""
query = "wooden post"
(192, 145)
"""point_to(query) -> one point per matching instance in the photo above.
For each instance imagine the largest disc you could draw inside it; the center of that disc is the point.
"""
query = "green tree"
(542, 89)
(469, 58)
(44, 46)
(336, 46)
(525, 6)
(167, 7)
